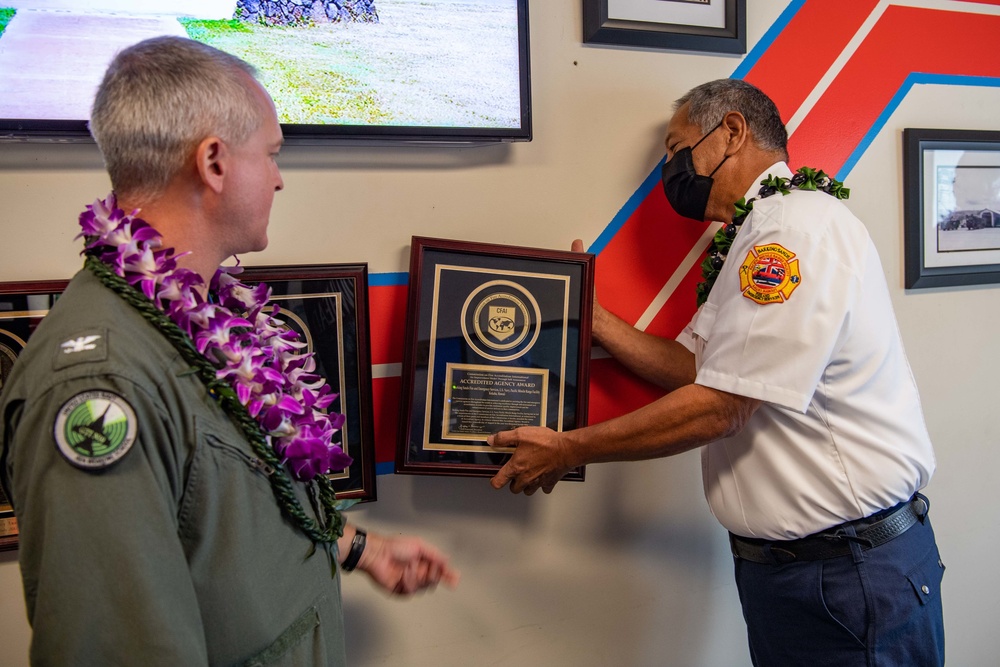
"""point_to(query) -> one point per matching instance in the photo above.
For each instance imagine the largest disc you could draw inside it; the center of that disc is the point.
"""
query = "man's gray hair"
(711, 101)
(159, 99)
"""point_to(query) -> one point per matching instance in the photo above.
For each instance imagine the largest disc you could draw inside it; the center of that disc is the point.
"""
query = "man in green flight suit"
(151, 527)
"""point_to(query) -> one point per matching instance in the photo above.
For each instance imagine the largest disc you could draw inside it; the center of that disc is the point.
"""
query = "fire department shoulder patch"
(769, 274)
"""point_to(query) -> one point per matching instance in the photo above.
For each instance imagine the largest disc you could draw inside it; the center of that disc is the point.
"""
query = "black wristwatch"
(357, 548)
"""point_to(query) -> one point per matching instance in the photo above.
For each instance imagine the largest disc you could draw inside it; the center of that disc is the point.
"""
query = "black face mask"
(686, 189)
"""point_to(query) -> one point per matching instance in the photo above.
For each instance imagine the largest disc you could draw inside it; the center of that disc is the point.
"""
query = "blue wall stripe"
(904, 88)
(386, 468)
(387, 279)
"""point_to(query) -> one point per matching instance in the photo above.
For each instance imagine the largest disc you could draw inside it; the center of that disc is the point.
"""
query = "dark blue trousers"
(878, 607)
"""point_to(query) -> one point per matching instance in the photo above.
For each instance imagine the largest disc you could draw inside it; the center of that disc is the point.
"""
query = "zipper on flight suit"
(261, 465)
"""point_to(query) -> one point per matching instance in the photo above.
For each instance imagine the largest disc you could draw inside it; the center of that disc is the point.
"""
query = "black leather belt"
(834, 542)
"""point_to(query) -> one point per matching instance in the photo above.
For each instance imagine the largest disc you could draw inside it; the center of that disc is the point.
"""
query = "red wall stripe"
(905, 40)
(799, 57)
(638, 261)
(385, 402)
(387, 312)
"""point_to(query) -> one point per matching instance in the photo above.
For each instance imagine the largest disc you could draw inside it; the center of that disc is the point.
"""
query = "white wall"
(628, 568)
(951, 339)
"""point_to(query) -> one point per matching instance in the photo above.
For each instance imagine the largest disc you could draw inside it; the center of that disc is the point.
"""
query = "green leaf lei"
(804, 179)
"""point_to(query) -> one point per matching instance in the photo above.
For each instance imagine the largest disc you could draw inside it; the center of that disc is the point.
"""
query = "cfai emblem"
(95, 429)
(769, 274)
(501, 322)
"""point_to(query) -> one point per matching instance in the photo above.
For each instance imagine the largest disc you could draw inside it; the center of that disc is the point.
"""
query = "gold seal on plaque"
(501, 320)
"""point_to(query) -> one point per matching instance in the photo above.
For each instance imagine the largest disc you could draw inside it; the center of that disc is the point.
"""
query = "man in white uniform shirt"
(792, 376)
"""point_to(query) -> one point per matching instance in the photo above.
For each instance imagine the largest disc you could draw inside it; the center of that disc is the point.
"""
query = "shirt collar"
(777, 169)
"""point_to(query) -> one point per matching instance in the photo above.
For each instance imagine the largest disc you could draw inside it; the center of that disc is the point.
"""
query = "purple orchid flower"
(101, 217)
(128, 236)
(234, 294)
(336, 420)
(278, 420)
(179, 289)
(218, 331)
(202, 314)
(146, 268)
(309, 454)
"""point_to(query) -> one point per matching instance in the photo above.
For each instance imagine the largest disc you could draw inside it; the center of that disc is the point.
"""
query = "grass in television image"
(6, 14)
(419, 63)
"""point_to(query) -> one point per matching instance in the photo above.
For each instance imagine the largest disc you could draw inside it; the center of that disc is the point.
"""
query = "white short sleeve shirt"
(800, 318)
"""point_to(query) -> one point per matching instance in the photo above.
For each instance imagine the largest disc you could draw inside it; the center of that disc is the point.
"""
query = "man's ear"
(212, 161)
(737, 131)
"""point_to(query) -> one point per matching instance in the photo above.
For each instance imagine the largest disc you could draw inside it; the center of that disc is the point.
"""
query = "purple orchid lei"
(262, 360)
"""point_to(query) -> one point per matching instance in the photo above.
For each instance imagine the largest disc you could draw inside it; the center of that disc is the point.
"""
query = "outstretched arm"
(400, 565)
(687, 418)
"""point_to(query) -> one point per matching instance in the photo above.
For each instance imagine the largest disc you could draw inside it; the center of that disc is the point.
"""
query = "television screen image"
(397, 70)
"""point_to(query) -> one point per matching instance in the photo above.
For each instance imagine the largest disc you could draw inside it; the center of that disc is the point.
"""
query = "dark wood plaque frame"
(504, 265)
(350, 281)
(25, 321)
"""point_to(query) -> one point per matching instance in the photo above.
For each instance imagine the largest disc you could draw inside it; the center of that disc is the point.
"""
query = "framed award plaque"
(497, 337)
(327, 304)
(22, 307)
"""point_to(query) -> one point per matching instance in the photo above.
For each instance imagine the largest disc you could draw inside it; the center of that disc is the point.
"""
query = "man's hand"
(405, 565)
(599, 317)
(540, 459)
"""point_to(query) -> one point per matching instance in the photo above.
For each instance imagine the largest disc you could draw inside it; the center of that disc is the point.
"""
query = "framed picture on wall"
(497, 337)
(717, 26)
(327, 304)
(951, 207)
(22, 307)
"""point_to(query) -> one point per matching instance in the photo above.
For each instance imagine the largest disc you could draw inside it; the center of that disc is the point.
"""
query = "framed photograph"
(951, 207)
(497, 337)
(327, 304)
(716, 26)
(22, 307)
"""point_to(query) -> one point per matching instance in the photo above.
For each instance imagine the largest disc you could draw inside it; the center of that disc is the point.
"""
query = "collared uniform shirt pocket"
(701, 330)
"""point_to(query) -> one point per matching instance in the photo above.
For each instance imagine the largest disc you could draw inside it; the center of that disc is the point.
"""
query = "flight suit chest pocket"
(232, 447)
(226, 479)
(228, 446)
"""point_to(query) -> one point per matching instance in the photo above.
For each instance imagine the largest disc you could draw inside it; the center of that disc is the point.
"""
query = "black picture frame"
(951, 207)
(328, 305)
(497, 336)
(671, 27)
(22, 307)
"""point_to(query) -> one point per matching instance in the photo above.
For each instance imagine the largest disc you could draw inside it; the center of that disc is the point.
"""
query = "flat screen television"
(338, 70)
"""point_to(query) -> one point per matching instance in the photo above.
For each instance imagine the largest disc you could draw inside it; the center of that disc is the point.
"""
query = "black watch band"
(357, 548)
